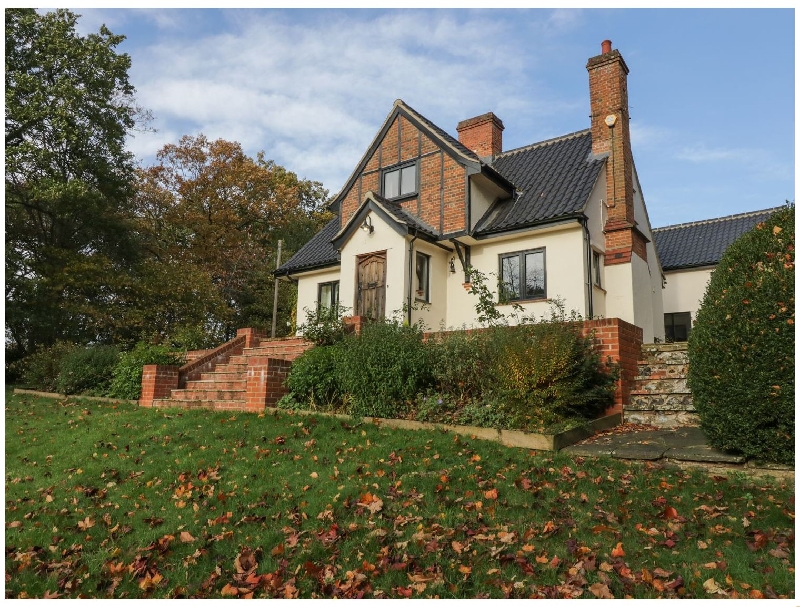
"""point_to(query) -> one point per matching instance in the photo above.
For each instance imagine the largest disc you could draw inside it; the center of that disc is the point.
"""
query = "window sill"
(523, 301)
(403, 198)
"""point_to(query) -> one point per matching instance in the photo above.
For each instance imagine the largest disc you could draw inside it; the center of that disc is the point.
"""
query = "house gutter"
(587, 239)
(411, 270)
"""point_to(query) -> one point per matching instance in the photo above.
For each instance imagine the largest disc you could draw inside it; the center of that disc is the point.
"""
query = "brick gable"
(441, 198)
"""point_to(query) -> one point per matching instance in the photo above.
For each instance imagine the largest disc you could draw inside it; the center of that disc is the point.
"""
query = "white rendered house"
(563, 218)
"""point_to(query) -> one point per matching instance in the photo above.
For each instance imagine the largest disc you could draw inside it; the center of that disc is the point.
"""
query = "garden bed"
(509, 438)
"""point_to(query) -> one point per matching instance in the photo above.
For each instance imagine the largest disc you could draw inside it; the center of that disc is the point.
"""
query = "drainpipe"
(588, 240)
(411, 272)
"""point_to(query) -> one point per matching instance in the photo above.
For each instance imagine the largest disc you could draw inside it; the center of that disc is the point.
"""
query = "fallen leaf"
(601, 591)
(618, 551)
(186, 537)
(712, 587)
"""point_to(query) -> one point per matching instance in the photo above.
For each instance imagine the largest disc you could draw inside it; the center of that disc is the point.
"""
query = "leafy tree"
(741, 348)
(209, 208)
(68, 178)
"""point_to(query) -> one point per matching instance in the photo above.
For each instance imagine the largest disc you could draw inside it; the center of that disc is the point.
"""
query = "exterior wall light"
(367, 225)
(452, 265)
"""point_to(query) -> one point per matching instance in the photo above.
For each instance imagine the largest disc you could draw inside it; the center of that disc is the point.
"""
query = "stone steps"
(660, 395)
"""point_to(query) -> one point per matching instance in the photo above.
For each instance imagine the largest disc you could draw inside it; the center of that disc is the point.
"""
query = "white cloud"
(318, 90)
(759, 163)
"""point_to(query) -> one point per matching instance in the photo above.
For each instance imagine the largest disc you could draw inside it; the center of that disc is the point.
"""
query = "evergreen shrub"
(381, 370)
(126, 379)
(741, 347)
(313, 379)
(87, 370)
(40, 370)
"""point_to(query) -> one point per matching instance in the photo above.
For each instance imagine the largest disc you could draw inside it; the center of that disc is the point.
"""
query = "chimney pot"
(606, 46)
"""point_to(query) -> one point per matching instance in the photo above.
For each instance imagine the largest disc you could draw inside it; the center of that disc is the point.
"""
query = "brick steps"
(239, 378)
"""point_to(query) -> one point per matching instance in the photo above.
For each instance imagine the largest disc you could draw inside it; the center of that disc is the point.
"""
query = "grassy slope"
(112, 500)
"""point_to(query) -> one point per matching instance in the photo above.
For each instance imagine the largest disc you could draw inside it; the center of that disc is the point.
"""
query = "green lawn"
(107, 500)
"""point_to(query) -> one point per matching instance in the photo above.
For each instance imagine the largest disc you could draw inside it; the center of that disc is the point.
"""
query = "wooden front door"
(371, 285)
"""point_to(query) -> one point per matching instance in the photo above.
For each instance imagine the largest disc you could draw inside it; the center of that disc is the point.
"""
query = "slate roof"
(316, 253)
(702, 243)
(553, 178)
(403, 216)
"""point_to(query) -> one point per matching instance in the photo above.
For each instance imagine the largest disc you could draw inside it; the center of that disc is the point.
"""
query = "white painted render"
(647, 277)
(685, 290)
(432, 314)
(564, 267)
(383, 238)
(596, 215)
(307, 290)
(619, 296)
(482, 193)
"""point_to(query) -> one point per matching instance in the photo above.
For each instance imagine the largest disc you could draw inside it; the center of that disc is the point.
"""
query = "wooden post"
(275, 298)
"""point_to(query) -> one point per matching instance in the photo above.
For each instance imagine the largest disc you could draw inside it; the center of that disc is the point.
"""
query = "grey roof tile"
(317, 252)
(403, 216)
(702, 243)
(554, 178)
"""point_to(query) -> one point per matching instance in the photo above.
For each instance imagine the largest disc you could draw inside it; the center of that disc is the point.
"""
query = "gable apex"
(436, 134)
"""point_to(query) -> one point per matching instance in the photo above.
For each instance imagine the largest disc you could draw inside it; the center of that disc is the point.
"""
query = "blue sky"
(711, 91)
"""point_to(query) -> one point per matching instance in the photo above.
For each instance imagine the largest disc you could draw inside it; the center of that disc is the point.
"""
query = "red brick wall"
(157, 382)
(440, 202)
(618, 342)
(265, 382)
(621, 242)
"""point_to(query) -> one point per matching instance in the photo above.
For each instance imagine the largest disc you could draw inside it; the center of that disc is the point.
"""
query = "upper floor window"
(522, 276)
(401, 181)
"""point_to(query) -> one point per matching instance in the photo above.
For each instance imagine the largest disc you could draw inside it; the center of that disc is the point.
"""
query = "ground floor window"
(523, 276)
(677, 326)
(597, 262)
(328, 296)
(423, 266)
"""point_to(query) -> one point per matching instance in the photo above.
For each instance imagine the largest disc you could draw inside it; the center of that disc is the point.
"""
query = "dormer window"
(400, 181)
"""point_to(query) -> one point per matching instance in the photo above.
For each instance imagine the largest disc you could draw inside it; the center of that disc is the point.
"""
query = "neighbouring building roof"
(702, 243)
(553, 178)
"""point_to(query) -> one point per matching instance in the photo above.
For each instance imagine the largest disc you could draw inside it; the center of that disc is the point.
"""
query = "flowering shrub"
(741, 348)
(525, 377)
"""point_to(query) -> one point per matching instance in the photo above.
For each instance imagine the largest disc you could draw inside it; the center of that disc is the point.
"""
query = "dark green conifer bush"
(741, 348)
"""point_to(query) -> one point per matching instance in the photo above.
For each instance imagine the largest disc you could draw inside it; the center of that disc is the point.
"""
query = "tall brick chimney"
(608, 92)
(482, 134)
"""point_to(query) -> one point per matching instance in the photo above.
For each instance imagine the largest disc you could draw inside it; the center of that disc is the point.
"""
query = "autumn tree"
(212, 215)
(68, 180)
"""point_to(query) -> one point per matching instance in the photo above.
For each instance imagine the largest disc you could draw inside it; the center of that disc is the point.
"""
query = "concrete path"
(685, 447)
(682, 444)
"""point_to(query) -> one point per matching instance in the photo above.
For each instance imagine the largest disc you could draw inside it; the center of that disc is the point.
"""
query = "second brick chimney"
(608, 92)
(482, 134)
